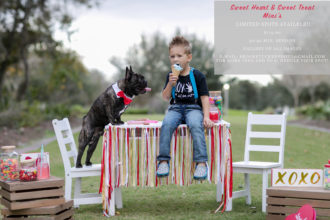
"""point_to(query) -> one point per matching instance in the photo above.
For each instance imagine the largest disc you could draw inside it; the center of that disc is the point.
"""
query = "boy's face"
(179, 56)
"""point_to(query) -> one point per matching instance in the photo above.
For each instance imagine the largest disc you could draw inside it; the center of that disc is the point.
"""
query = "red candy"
(28, 174)
(214, 116)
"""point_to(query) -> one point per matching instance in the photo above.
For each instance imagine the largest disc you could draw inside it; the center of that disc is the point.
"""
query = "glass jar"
(9, 165)
(28, 170)
(326, 176)
(215, 106)
(42, 167)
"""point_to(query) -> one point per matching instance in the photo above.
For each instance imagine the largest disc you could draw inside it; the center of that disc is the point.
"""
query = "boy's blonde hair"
(180, 41)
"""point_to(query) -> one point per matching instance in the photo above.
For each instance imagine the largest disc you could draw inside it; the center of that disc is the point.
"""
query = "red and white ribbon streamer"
(130, 151)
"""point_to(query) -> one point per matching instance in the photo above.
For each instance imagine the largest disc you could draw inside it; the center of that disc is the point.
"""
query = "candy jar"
(28, 170)
(9, 166)
(327, 176)
(215, 105)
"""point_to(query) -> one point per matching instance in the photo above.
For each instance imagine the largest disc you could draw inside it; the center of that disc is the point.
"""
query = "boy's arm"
(206, 111)
(167, 92)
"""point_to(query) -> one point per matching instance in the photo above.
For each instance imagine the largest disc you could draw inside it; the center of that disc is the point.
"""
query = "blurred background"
(56, 57)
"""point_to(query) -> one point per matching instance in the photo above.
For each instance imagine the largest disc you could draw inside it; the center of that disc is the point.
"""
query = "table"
(129, 159)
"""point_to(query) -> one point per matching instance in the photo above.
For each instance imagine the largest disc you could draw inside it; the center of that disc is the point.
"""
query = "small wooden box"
(58, 212)
(283, 201)
(24, 195)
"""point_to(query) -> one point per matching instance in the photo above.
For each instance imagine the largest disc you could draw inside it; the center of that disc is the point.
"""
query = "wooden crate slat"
(67, 214)
(299, 192)
(31, 203)
(281, 209)
(289, 210)
(275, 217)
(40, 184)
(29, 218)
(298, 202)
(48, 210)
(15, 196)
(64, 215)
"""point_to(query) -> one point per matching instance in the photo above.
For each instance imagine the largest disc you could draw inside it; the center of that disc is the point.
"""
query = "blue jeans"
(192, 115)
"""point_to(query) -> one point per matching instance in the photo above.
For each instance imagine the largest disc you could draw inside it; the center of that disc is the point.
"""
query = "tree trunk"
(24, 85)
(3, 68)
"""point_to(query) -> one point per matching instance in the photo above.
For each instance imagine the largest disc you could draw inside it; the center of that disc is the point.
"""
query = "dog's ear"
(128, 74)
(130, 69)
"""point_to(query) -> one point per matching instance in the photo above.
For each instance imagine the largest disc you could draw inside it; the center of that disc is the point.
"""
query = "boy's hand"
(208, 123)
(173, 79)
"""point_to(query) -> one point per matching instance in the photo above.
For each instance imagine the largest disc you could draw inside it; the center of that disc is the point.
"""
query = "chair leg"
(219, 192)
(112, 210)
(229, 206)
(264, 188)
(247, 188)
(77, 190)
(118, 198)
(68, 186)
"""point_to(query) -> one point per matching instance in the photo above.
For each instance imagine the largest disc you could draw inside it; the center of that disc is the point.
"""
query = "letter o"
(318, 177)
(290, 178)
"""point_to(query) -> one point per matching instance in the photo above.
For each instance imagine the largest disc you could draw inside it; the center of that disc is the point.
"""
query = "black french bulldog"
(107, 108)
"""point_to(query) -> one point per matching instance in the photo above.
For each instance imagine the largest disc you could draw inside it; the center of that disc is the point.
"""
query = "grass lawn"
(304, 149)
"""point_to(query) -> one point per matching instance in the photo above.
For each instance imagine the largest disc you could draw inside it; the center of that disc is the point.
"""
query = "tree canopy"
(27, 25)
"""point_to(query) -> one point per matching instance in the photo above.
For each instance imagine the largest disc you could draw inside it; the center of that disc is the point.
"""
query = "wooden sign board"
(297, 177)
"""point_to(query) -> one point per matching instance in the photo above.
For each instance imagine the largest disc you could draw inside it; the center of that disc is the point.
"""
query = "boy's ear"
(189, 57)
(128, 74)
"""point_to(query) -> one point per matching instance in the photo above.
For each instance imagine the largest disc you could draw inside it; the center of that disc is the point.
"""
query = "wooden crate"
(24, 195)
(283, 201)
(59, 212)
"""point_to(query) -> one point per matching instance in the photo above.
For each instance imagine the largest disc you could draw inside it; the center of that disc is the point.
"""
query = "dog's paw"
(120, 122)
(89, 164)
(78, 165)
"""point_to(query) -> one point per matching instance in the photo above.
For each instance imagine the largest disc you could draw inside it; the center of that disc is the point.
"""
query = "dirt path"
(318, 125)
(36, 145)
(31, 138)
(311, 127)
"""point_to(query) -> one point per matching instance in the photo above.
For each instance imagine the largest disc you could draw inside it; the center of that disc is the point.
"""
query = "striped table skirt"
(130, 152)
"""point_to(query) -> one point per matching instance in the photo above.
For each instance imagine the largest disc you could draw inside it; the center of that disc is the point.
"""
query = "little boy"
(189, 103)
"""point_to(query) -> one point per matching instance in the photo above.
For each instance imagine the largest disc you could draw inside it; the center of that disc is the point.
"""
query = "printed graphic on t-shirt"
(184, 91)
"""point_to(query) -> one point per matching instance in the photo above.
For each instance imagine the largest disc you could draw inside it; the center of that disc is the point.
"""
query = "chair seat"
(256, 165)
(94, 167)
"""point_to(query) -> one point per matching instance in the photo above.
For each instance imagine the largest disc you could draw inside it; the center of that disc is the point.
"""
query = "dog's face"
(135, 83)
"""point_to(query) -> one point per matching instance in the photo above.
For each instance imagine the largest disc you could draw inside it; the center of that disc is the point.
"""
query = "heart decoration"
(304, 213)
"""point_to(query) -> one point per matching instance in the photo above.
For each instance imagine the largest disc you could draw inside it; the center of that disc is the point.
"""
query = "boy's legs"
(194, 119)
(171, 121)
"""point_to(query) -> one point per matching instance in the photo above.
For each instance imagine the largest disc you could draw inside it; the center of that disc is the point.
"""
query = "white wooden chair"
(260, 167)
(66, 141)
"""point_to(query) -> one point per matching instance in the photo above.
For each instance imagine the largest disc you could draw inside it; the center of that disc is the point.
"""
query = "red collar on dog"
(121, 94)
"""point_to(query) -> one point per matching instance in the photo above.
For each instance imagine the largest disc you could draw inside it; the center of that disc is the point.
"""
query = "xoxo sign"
(297, 177)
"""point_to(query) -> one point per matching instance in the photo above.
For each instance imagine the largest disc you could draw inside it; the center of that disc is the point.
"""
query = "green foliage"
(29, 25)
(59, 86)
(244, 94)
(320, 110)
(136, 111)
(31, 114)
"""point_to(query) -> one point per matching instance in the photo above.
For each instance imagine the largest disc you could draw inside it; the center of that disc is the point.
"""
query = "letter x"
(280, 177)
(303, 178)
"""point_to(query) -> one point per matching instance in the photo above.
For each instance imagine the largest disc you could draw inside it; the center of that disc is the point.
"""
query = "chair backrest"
(265, 119)
(65, 141)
